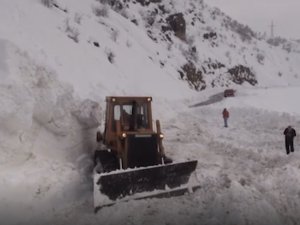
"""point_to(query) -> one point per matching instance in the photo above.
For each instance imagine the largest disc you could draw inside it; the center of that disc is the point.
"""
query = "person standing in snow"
(225, 116)
(289, 133)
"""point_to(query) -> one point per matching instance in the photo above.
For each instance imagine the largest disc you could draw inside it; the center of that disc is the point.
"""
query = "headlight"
(161, 136)
(124, 135)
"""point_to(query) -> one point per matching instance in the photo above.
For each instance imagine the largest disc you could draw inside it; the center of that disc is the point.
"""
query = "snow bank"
(47, 136)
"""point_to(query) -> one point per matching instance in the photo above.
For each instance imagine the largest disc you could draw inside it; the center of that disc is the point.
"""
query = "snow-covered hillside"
(58, 63)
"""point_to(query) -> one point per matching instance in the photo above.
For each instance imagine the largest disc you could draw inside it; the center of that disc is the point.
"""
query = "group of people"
(289, 133)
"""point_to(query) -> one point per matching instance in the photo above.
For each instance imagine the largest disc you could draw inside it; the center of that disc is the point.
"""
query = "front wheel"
(105, 161)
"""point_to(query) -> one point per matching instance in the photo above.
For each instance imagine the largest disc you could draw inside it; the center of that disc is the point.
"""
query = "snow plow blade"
(146, 182)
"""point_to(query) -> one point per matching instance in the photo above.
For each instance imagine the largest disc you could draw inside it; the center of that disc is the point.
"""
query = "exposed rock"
(177, 24)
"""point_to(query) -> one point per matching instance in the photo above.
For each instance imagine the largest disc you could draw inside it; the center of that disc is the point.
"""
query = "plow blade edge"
(159, 180)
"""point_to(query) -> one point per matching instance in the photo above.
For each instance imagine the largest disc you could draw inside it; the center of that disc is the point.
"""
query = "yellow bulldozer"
(130, 162)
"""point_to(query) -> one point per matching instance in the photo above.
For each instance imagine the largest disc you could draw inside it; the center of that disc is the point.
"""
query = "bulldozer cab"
(132, 115)
(129, 131)
(127, 114)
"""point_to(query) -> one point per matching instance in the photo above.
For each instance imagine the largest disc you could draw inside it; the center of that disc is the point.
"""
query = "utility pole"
(272, 29)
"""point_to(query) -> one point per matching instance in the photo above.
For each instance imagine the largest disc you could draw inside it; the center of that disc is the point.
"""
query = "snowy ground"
(245, 175)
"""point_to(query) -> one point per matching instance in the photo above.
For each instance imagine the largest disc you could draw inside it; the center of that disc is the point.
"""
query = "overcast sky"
(259, 14)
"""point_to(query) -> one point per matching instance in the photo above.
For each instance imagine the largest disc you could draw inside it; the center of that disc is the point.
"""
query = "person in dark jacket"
(225, 116)
(289, 133)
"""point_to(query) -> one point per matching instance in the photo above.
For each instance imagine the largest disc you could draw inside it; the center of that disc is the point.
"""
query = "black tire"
(108, 160)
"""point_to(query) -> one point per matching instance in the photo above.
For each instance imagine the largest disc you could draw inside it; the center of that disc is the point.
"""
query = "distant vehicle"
(132, 162)
(229, 93)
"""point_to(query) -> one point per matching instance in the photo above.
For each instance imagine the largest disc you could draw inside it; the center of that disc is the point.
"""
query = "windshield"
(132, 115)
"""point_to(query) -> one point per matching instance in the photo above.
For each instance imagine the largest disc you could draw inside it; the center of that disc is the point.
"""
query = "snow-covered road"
(245, 175)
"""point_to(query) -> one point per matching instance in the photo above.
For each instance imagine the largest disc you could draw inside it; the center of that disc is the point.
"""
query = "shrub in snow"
(210, 35)
(114, 35)
(110, 56)
(77, 18)
(276, 41)
(150, 18)
(116, 5)
(260, 58)
(96, 44)
(74, 36)
(72, 32)
(240, 74)
(124, 13)
(47, 3)
(193, 76)
(289, 46)
(101, 11)
(190, 40)
(128, 44)
(110, 2)
(147, 2)
(245, 32)
(190, 54)
(227, 54)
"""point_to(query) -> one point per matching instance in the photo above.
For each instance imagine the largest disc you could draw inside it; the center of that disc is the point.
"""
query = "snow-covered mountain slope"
(58, 63)
(99, 48)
